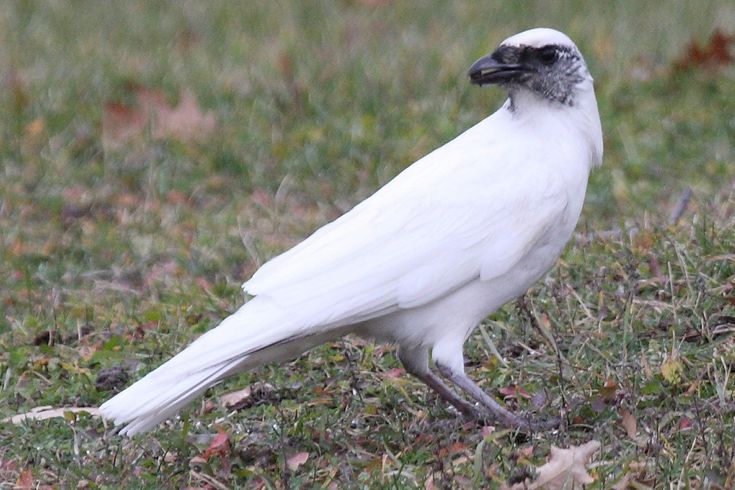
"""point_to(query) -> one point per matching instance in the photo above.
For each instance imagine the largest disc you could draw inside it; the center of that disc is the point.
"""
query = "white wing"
(470, 209)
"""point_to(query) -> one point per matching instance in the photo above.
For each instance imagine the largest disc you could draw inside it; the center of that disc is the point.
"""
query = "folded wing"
(440, 224)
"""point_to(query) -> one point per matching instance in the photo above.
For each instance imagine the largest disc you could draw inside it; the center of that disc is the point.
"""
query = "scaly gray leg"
(416, 362)
(501, 413)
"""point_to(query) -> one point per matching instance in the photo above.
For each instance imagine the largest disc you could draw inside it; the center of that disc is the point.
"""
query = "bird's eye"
(547, 56)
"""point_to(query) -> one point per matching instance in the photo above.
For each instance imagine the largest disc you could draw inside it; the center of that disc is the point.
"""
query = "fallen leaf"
(629, 423)
(394, 373)
(693, 388)
(35, 127)
(111, 378)
(647, 371)
(186, 121)
(84, 483)
(429, 483)
(609, 389)
(43, 413)
(672, 368)
(297, 460)
(235, 399)
(623, 483)
(692, 335)
(525, 452)
(120, 123)
(197, 461)
(203, 283)
(514, 391)
(598, 404)
(25, 480)
(454, 449)
(176, 197)
(714, 54)
(635, 477)
(565, 468)
(219, 446)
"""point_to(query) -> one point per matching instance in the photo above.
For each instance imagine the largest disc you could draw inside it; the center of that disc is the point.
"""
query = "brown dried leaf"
(35, 127)
(394, 373)
(25, 480)
(630, 424)
(453, 449)
(565, 468)
(635, 477)
(197, 461)
(297, 460)
(714, 54)
(514, 391)
(623, 483)
(184, 122)
(525, 452)
(219, 446)
(609, 389)
(236, 399)
(647, 371)
(121, 123)
(487, 430)
(111, 378)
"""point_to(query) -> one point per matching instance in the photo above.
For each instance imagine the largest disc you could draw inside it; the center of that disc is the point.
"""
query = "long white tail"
(254, 335)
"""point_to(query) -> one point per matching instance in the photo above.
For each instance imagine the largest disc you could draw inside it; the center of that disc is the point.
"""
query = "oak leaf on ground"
(565, 469)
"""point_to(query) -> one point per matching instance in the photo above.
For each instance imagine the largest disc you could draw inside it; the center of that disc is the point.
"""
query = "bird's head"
(541, 61)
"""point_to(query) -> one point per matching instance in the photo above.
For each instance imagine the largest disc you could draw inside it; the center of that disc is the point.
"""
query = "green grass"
(119, 257)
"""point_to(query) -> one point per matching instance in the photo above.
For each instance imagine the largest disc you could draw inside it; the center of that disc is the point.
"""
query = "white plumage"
(456, 235)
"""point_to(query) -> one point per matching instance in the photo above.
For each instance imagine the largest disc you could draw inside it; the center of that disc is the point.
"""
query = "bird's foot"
(539, 424)
(524, 424)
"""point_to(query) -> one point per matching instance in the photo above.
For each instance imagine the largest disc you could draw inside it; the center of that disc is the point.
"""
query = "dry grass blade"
(44, 413)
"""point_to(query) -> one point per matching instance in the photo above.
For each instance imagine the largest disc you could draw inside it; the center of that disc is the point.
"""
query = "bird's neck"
(581, 116)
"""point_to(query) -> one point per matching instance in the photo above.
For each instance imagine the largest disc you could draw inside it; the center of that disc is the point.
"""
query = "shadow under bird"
(465, 229)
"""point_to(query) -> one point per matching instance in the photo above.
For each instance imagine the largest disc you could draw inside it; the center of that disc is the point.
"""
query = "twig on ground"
(681, 206)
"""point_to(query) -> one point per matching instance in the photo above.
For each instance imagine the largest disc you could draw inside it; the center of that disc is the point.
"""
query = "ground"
(154, 154)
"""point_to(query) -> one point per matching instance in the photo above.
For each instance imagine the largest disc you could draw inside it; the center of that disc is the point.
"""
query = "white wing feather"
(446, 220)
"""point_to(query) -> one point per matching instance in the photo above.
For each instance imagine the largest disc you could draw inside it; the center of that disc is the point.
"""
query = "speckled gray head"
(543, 61)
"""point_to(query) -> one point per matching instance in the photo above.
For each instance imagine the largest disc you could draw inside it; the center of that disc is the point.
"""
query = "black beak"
(489, 70)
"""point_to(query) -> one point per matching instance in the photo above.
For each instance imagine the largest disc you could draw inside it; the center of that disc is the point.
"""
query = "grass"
(116, 257)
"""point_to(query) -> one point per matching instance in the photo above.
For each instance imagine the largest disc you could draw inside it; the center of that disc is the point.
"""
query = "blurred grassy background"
(316, 104)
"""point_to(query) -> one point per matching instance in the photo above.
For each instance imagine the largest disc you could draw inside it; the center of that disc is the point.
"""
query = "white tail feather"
(257, 333)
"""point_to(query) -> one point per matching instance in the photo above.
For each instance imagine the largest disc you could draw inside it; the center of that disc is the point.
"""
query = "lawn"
(154, 154)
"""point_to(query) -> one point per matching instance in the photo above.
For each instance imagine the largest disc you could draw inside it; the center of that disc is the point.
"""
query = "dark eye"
(548, 55)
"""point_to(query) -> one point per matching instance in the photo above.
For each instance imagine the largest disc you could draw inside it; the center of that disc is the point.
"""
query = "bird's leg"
(416, 362)
(465, 383)
(504, 415)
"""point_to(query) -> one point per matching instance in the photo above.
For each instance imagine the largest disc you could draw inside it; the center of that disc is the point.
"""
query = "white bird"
(420, 263)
